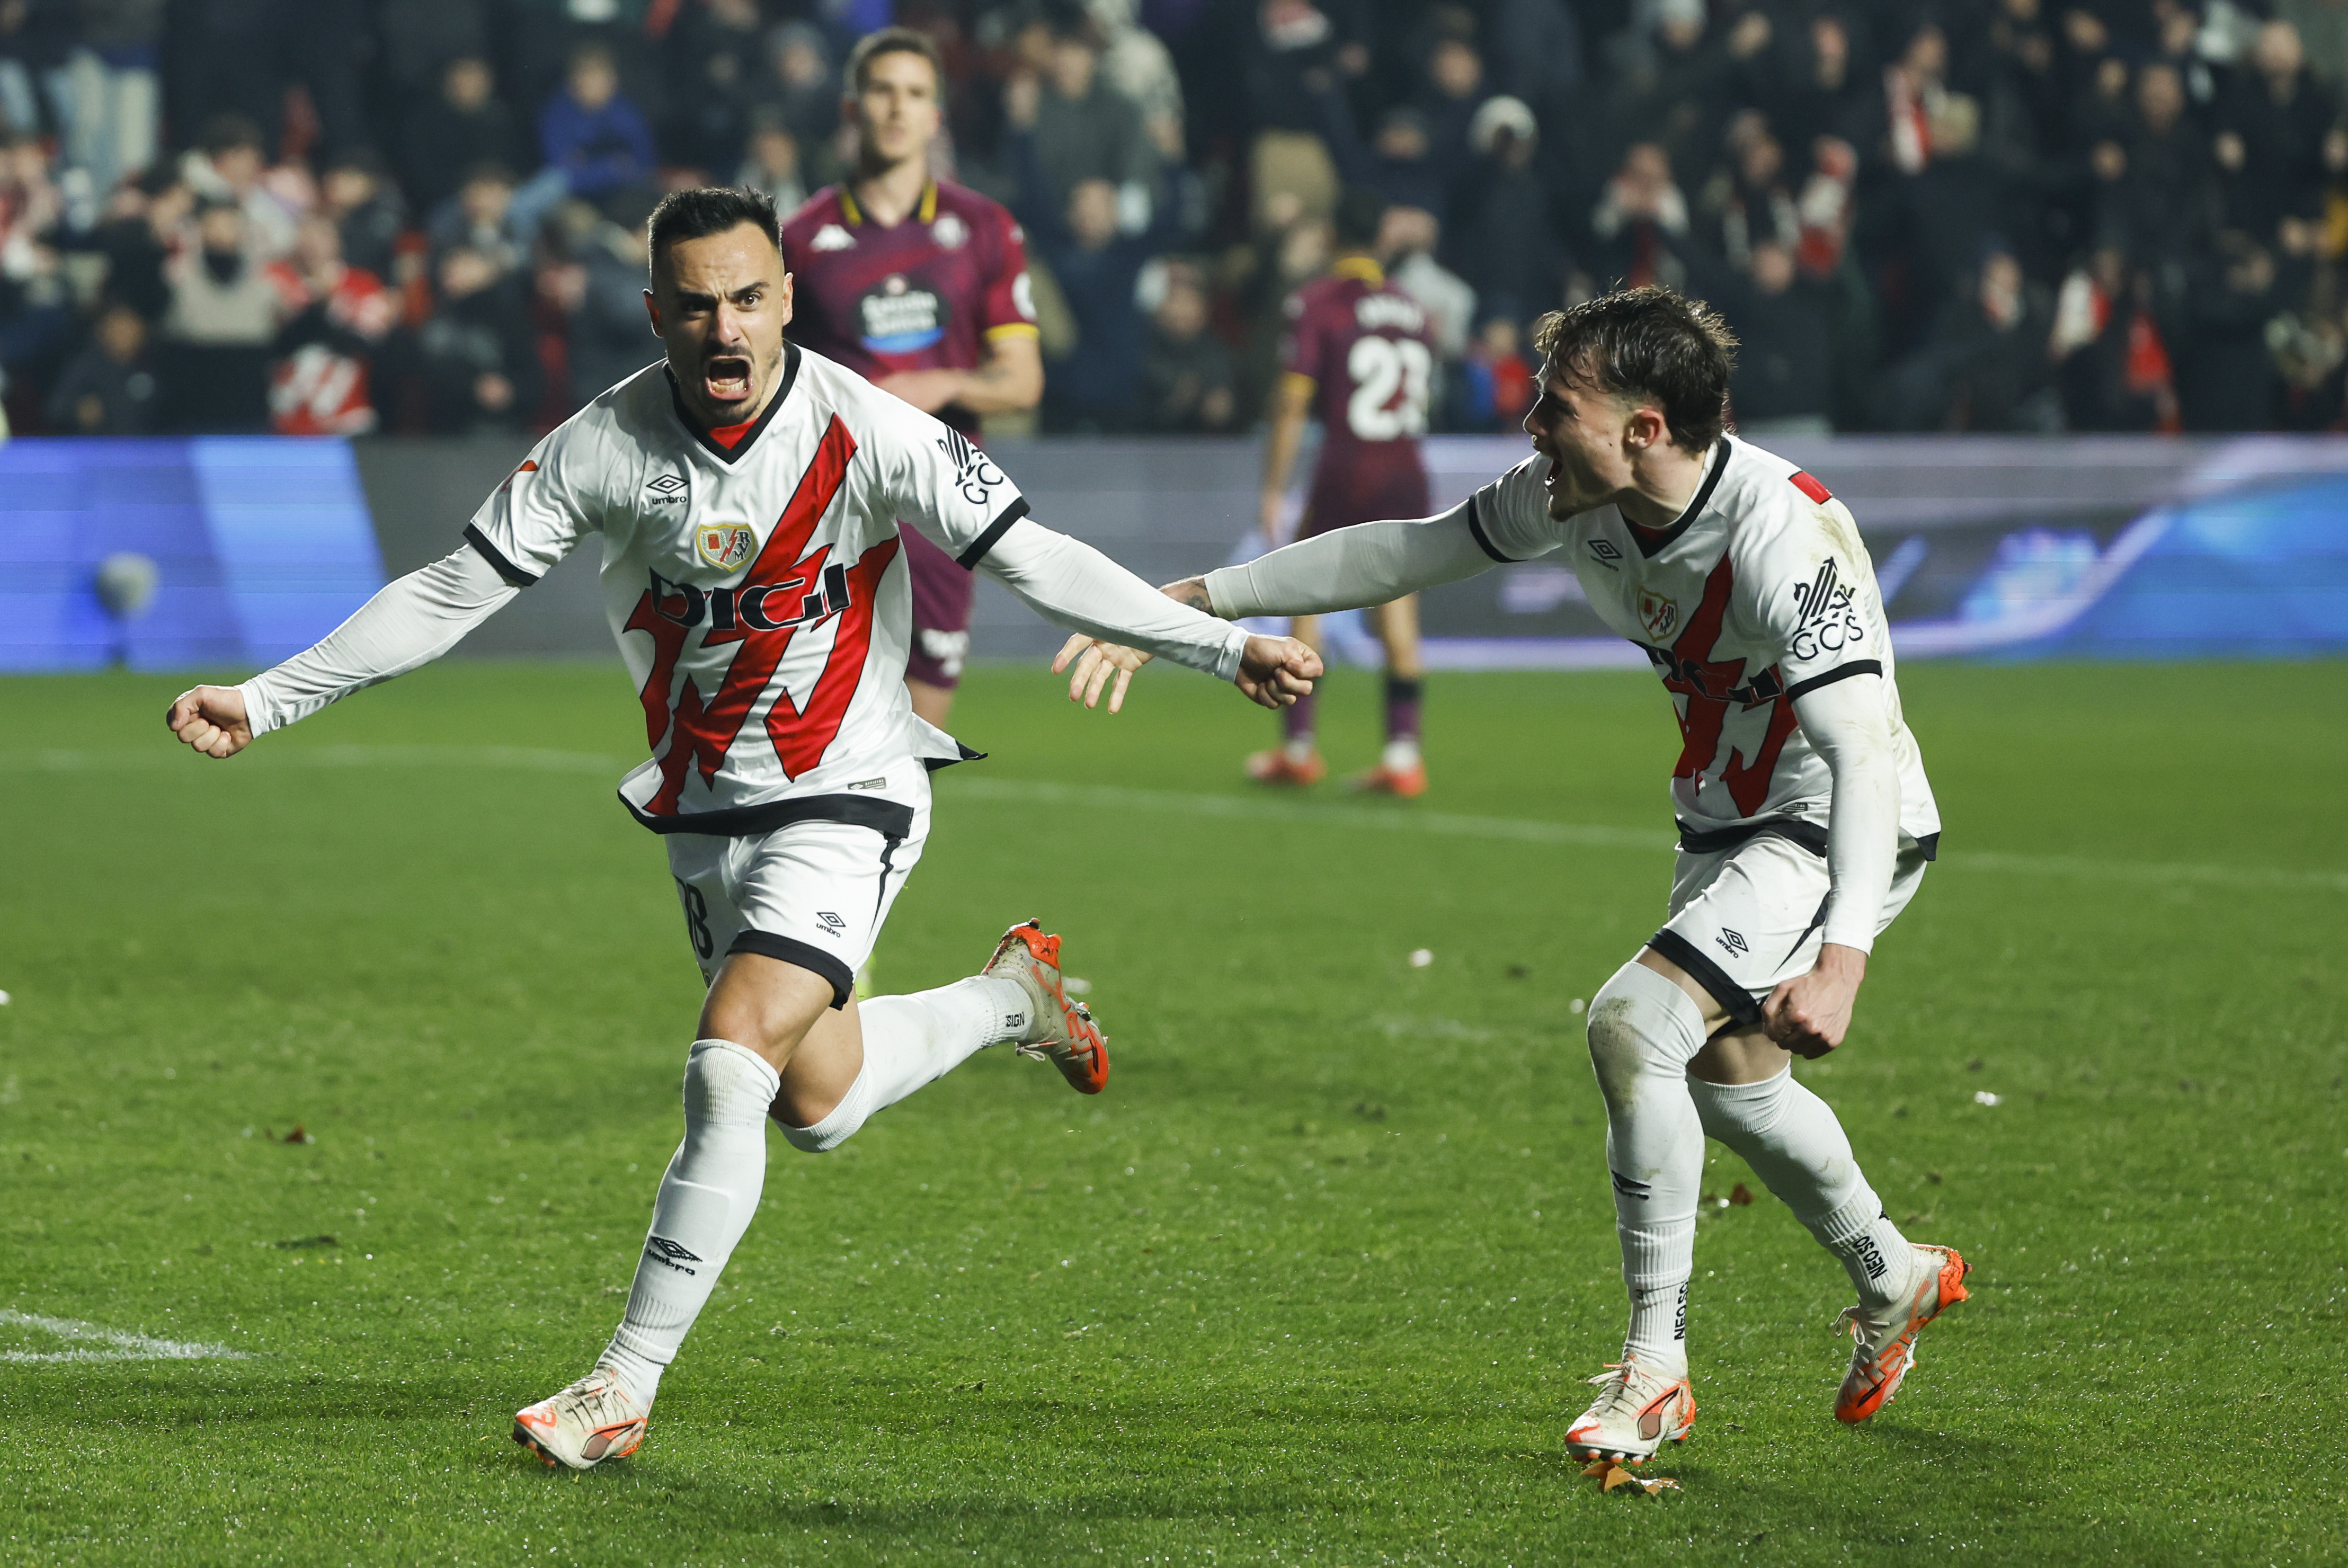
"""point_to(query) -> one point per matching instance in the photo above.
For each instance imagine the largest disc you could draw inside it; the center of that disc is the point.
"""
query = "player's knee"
(1640, 1022)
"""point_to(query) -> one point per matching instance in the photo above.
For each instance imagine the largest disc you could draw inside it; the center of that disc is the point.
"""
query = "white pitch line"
(1226, 808)
(120, 1345)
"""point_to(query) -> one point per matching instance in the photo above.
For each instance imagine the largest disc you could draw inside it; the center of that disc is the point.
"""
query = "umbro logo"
(832, 237)
(676, 1254)
(1734, 941)
(1605, 551)
(833, 924)
(668, 486)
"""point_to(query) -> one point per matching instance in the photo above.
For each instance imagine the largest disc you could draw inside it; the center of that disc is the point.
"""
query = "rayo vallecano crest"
(1658, 614)
(725, 545)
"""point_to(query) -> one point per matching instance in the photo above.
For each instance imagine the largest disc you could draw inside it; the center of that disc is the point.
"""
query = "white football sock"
(909, 1041)
(706, 1198)
(1794, 1144)
(1643, 1031)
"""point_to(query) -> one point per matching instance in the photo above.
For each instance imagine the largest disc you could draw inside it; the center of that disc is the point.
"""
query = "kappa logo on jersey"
(899, 318)
(1828, 618)
(668, 486)
(725, 545)
(676, 1254)
(1733, 941)
(1658, 614)
(974, 472)
(1608, 556)
(949, 231)
(832, 237)
(529, 465)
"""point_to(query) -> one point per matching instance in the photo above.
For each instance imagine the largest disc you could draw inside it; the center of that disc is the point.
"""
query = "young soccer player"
(1358, 356)
(921, 286)
(1805, 822)
(748, 496)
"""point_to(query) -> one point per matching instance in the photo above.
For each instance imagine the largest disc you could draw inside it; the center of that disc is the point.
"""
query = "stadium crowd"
(427, 215)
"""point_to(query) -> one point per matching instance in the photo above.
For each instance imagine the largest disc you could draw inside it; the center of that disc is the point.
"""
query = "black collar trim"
(1654, 544)
(749, 436)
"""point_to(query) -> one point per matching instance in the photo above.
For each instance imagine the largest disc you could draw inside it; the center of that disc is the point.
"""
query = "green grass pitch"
(1317, 1280)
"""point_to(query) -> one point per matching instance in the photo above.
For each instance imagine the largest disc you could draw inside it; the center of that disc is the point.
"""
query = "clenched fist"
(211, 719)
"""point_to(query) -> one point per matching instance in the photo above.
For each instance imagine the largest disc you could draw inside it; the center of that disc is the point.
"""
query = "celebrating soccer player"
(921, 286)
(747, 495)
(1357, 354)
(1804, 819)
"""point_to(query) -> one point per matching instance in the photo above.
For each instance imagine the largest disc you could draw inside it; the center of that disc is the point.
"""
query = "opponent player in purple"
(1358, 357)
(921, 287)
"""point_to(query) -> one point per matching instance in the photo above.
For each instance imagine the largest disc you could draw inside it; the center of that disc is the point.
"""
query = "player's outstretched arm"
(411, 621)
(1068, 581)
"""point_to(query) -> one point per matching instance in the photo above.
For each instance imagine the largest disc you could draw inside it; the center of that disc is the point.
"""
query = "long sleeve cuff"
(1351, 567)
(1847, 725)
(1068, 581)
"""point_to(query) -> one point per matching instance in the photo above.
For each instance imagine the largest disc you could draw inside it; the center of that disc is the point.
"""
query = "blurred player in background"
(1358, 356)
(920, 286)
(748, 496)
(1806, 820)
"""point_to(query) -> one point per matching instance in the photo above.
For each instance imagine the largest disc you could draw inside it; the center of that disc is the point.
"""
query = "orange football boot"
(1886, 1336)
(1058, 1031)
(1276, 767)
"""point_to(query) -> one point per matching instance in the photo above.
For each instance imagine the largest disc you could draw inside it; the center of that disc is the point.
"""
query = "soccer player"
(747, 495)
(1804, 819)
(1356, 354)
(920, 286)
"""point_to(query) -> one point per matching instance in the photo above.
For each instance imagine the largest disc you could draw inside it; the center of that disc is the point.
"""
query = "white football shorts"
(1745, 918)
(813, 891)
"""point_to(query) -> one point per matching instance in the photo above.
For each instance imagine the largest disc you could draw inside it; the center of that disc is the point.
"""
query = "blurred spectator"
(2226, 377)
(1139, 68)
(1987, 365)
(2323, 36)
(1504, 238)
(478, 354)
(107, 90)
(1784, 382)
(771, 165)
(718, 77)
(1639, 218)
(2159, 192)
(2112, 361)
(226, 165)
(1187, 382)
(135, 235)
(1497, 383)
(464, 125)
(1085, 129)
(807, 96)
(1410, 236)
(31, 41)
(593, 140)
(1399, 163)
(419, 43)
(367, 210)
(611, 335)
(2278, 141)
(334, 317)
(223, 317)
(480, 216)
(36, 310)
(1097, 267)
(1453, 90)
(109, 388)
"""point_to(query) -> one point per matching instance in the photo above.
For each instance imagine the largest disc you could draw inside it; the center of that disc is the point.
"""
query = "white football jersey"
(754, 579)
(1758, 591)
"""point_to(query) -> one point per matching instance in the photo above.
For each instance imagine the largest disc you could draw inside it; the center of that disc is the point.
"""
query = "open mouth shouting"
(726, 379)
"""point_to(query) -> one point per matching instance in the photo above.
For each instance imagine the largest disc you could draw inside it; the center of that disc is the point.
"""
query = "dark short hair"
(1649, 343)
(892, 41)
(710, 209)
(1359, 215)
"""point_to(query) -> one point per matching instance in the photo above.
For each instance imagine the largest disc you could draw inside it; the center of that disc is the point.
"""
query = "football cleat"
(1885, 1334)
(1058, 1031)
(1635, 1413)
(1277, 767)
(592, 1420)
(1407, 783)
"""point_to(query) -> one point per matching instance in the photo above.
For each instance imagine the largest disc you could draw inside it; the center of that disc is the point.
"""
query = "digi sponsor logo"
(1660, 616)
(725, 545)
